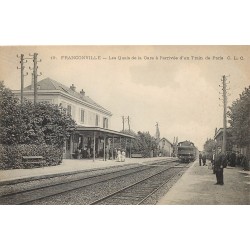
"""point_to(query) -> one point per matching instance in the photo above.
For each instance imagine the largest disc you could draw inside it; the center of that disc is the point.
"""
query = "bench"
(136, 155)
(33, 160)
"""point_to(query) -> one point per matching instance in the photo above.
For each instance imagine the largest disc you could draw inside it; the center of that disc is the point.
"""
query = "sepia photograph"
(120, 104)
(125, 125)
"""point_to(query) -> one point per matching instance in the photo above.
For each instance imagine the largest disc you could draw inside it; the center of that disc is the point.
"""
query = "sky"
(174, 86)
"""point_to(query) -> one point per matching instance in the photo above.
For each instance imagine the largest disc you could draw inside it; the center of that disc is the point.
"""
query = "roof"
(107, 132)
(220, 131)
(185, 144)
(166, 140)
(50, 84)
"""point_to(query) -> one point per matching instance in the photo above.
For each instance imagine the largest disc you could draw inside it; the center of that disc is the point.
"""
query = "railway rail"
(139, 192)
(34, 194)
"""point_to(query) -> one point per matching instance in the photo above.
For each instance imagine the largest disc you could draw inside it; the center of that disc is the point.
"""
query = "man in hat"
(220, 163)
(200, 158)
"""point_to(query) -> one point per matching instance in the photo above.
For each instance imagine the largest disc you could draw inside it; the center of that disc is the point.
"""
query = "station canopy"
(89, 131)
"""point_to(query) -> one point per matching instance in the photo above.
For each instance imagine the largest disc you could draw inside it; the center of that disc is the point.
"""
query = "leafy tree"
(209, 146)
(32, 123)
(46, 123)
(9, 116)
(239, 119)
(143, 143)
(147, 143)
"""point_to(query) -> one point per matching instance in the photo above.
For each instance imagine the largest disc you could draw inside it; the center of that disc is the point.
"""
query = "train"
(186, 151)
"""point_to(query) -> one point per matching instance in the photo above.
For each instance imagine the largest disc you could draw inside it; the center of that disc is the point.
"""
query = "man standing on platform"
(220, 162)
(212, 161)
(233, 159)
(204, 159)
(200, 158)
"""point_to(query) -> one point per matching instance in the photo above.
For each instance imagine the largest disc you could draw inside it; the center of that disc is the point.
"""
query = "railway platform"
(196, 187)
(66, 167)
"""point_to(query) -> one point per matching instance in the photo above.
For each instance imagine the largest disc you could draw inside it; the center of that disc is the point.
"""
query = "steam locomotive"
(186, 151)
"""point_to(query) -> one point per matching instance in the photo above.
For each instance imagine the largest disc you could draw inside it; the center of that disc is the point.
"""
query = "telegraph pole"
(224, 115)
(157, 133)
(224, 95)
(128, 124)
(22, 75)
(125, 119)
(123, 123)
(35, 75)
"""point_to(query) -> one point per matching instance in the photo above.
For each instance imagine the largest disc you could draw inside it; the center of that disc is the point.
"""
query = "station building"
(165, 147)
(230, 146)
(93, 121)
(218, 137)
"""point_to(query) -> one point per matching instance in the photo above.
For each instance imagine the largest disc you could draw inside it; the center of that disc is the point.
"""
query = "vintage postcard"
(125, 125)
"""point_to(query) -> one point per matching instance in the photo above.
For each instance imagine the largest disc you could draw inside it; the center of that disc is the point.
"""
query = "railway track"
(34, 194)
(137, 193)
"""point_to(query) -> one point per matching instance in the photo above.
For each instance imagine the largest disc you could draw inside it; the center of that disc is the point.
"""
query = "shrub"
(31, 123)
(3, 157)
(11, 155)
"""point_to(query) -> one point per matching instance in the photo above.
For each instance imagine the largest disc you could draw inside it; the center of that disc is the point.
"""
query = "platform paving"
(196, 187)
(68, 166)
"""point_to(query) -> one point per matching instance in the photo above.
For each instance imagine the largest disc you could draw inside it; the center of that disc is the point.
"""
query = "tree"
(9, 116)
(30, 123)
(46, 123)
(147, 143)
(239, 119)
(143, 143)
(209, 146)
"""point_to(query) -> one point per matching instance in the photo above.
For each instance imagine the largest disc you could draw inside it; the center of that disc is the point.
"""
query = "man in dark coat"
(212, 161)
(233, 159)
(204, 159)
(200, 158)
(220, 163)
(244, 163)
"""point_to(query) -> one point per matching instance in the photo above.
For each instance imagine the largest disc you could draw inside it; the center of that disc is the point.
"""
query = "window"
(105, 122)
(82, 115)
(68, 109)
(97, 120)
(91, 118)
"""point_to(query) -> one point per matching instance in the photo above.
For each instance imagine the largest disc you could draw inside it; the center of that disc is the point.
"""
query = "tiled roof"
(50, 84)
(166, 140)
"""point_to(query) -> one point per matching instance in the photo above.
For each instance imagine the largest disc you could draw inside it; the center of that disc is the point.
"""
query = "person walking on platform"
(212, 161)
(123, 155)
(84, 153)
(238, 159)
(115, 153)
(244, 163)
(88, 153)
(233, 159)
(79, 153)
(106, 153)
(220, 163)
(110, 153)
(200, 158)
(204, 159)
(119, 154)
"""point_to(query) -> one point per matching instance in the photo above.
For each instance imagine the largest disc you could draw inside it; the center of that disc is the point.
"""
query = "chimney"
(72, 87)
(82, 92)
